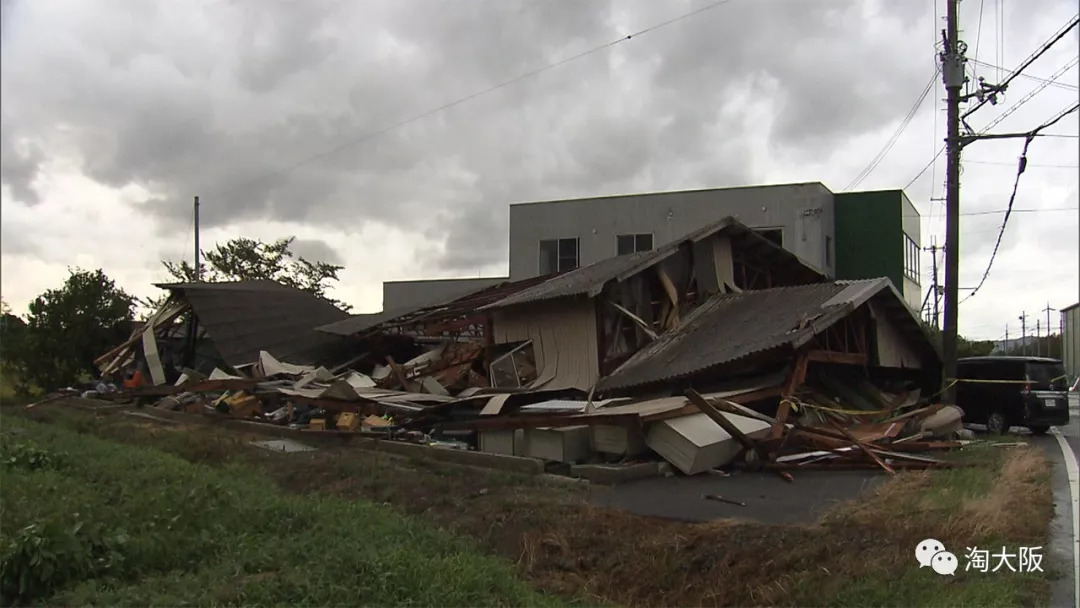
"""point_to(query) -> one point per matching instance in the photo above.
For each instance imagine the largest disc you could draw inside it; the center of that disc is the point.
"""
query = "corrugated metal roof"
(244, 317)
(731, 327)
(590, 280)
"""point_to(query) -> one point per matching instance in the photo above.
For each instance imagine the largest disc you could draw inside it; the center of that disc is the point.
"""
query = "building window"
(776, 235)
(828, 251)
(633, 243)
(558, 255)
(911, 259)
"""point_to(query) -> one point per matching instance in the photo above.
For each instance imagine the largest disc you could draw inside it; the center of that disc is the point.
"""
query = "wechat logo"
(932, 553)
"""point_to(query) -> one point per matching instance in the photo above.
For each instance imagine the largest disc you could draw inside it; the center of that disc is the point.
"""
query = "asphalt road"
(1064, 548)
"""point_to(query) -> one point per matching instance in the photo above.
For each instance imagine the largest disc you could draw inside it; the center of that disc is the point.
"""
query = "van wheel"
(996, 424)
(1039, 430)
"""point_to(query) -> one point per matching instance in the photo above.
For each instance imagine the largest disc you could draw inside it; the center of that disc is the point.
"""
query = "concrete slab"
(768, 498)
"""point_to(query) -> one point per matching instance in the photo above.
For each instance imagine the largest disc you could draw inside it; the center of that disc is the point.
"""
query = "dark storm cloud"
(20, 164)
(316, 250)
(222, 101)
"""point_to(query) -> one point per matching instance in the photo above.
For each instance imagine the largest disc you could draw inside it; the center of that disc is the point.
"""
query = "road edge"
(1072, 470)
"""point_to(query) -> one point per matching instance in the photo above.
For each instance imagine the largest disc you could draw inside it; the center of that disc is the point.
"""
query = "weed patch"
(860, 553)
(122, 525)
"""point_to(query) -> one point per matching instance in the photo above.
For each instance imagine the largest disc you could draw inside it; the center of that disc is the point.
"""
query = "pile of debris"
(714, 350)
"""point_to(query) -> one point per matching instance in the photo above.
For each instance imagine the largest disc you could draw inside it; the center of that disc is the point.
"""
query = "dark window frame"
(567, 254)
(638, 242)
(767, 233)
(911, 259)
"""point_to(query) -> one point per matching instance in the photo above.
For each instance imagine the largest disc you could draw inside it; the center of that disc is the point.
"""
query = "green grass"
(112, 524)
(8, 395)
(1005, 502)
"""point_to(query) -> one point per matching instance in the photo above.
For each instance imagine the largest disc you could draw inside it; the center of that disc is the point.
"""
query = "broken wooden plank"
(731, 407)
(794, 380)
(636, 319)
(881, 463)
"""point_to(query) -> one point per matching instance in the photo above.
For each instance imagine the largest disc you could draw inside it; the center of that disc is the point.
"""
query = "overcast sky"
(115, 114)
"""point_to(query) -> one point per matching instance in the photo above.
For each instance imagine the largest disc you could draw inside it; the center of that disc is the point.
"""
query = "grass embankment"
(88, 521)
(861, 553)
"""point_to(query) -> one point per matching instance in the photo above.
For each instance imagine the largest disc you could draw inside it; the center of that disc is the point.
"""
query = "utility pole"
(1023, 333)
(933, 249)
(952, 69)
(198, 262)
(1038, 337)
(1049, 342)
(1006, 349)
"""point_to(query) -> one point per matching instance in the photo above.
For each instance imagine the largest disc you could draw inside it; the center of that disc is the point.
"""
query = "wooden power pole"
(952, 69)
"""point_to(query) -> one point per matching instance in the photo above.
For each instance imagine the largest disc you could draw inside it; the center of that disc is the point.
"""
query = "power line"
(1031, 59)
(923, 170)
(1026, 98)
(1060, 85)
(1012, 198)
(896, 134)
(1043, 210)
(1001, 232)
(1030, 165)
(978, 36)
(998, 120)
(461, 100)
(1031, 210)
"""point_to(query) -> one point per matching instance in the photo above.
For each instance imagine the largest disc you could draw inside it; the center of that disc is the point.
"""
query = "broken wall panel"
(564, 340)
(893, 347)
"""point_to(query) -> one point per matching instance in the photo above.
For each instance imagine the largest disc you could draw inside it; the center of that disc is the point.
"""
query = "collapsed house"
(208, 326)
(716, 345)
(583, 324)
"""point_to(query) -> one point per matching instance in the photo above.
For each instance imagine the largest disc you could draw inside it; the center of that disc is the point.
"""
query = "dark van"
(1016, 391)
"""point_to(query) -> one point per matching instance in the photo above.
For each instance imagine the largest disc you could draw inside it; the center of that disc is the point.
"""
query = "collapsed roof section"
(755, 261)
(456, 315)
(861, 322)
(583, 324)
(246, 317)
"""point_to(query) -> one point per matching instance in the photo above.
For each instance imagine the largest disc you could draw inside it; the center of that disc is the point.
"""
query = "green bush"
(25, 455)
(43, 557)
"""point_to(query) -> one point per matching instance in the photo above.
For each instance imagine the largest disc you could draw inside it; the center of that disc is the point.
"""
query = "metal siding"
(913, 295)
(564, 340)
(670, 215)
(870, 236)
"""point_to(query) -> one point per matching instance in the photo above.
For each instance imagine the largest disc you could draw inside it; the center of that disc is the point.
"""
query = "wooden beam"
(795, 379)
(828, 356)
(873, 456)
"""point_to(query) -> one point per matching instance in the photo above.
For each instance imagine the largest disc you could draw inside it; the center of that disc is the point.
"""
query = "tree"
(964, 347)
(243, 259)
(67, 328)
